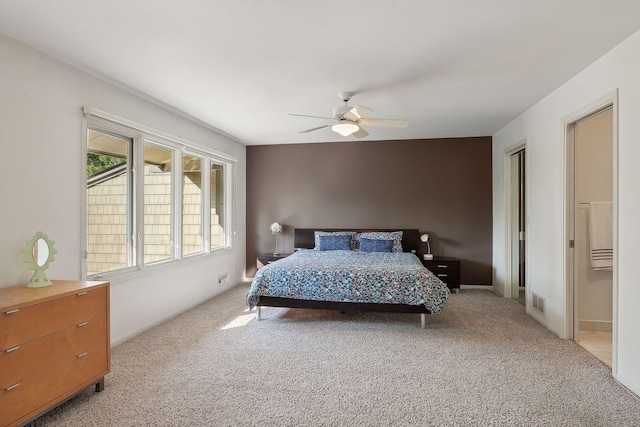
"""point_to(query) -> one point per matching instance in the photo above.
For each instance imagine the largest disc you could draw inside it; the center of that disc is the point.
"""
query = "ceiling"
(453, 68)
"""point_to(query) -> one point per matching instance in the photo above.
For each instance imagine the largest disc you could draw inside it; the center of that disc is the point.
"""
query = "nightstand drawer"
(445, 269)
(451, 280)
(438, 265)
(447, 275)
(266, 259)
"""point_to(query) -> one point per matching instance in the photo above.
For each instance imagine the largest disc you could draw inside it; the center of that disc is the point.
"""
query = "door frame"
(570, 294)
(508, 152)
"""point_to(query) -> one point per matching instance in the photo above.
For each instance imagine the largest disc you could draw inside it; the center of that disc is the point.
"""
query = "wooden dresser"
(54, 342)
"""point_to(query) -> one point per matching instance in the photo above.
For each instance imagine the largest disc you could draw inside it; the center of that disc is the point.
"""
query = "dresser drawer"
(35, 394)
(25, 324)
(28, 359)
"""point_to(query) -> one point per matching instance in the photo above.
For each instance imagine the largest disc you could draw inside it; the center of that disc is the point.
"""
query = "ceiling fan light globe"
(345, 128)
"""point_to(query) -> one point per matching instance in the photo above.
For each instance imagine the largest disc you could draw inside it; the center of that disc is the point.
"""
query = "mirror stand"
(38, 253)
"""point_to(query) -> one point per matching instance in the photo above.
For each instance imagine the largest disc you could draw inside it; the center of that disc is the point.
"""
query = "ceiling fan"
(348, 120)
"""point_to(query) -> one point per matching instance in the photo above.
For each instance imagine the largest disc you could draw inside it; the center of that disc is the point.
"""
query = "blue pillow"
(375, 245)
(396, 236)
(335, 243)
(351, 234)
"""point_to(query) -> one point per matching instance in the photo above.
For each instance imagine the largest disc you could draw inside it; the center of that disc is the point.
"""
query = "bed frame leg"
(259, 312)
(423, 320)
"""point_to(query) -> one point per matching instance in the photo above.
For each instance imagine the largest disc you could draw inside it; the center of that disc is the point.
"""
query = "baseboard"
(483, 287)
(633, 389)
(539, 317)
(119, 340)
(595, 325)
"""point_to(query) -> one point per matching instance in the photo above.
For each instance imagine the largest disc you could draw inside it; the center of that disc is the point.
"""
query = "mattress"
(350, 276)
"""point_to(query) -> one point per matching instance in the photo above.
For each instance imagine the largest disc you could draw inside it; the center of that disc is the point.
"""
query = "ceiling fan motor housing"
(339, 112)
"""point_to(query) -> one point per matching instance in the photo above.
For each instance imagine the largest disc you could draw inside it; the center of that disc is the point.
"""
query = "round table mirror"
(38, 254)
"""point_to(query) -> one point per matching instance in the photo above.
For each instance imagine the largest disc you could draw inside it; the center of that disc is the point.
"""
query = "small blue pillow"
(335, 243)
(375, 245)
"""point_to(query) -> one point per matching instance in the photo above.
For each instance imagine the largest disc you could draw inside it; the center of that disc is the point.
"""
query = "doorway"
(517, 224)
(592, 190)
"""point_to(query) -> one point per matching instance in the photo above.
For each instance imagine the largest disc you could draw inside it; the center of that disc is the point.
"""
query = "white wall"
(543, 126)
(42, 183)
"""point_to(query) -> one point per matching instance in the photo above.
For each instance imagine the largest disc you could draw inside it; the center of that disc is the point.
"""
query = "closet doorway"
(517, 225)
(515, 222)
(592, 202)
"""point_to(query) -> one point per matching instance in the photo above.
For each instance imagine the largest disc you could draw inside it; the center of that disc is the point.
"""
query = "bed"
(387, 279)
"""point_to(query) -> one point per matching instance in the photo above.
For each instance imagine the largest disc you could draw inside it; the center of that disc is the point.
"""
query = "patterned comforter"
(350, 276)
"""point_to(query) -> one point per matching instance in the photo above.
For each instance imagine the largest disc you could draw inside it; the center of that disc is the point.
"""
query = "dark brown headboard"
(303, 238)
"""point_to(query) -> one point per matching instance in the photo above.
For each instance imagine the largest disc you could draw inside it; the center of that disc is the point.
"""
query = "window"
(147, 196)
(108, 209)
(217, 205)
(157, 190)
(192, 236)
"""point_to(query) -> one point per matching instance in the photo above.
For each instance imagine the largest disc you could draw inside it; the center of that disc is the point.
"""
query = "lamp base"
(427, 257)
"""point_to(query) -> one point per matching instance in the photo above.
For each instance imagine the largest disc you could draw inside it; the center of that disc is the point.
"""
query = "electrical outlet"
(222, 279)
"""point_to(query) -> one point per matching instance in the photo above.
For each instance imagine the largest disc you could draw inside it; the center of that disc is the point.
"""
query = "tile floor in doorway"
(597, 343)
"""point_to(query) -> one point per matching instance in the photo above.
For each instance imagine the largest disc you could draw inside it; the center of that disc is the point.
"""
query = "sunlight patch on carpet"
(240, 321)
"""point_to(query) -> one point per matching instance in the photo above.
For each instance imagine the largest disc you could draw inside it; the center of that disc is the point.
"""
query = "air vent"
(538, 302)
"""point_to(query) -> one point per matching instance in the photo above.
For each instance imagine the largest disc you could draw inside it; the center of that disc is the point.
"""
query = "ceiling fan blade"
(311, 130)
(396, 123)
(361, 133)
(315, 117)
(357, 112)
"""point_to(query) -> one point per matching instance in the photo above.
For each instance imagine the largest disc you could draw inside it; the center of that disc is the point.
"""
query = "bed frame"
(304, 238)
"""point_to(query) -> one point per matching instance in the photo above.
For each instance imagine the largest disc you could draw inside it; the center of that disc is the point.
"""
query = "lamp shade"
(275, 228)
(345, 127)
(425, 238)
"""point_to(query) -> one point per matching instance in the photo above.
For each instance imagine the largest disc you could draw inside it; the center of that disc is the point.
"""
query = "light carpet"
(482, 362)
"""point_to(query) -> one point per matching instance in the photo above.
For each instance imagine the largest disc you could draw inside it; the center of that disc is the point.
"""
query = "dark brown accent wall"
(440, 186)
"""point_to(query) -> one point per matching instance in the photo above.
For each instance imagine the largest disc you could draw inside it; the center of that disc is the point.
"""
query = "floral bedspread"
(350, 276)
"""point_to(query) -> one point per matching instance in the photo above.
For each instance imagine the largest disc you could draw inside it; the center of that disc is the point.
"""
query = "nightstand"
(265, 259)
(446, 269)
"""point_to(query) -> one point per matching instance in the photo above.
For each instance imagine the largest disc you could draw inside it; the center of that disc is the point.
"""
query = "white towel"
(601, 235)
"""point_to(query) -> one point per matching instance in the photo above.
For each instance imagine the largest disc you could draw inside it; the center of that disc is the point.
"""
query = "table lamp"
(428, 255)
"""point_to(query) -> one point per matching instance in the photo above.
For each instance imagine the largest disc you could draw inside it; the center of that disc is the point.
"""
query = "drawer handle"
(81, 293)
(442, 266)
(82, 324)
(13, 311)
(82, 355)
(9, 350)
(11, 387)
(442, 275)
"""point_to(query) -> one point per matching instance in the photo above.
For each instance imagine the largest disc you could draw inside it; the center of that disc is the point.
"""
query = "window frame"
(140, 135)
(205, 184)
